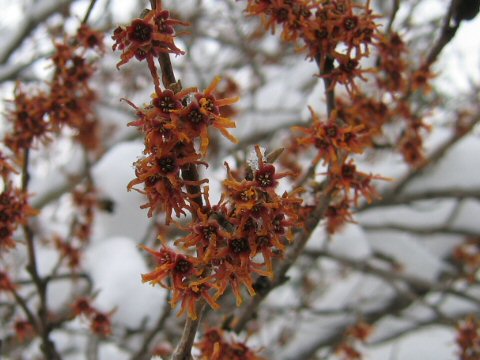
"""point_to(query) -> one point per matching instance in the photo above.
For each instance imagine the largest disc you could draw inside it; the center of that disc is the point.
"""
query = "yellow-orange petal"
(211, 88)
(226, 101)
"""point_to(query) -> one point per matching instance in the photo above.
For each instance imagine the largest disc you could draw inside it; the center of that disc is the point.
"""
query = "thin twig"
(427, 231)
(23, 304)
(184, 346)
(392, 196)
(446, 35)
(393, 15)
(89, 11)
(34, 16)
(47, 347)
(143, 352)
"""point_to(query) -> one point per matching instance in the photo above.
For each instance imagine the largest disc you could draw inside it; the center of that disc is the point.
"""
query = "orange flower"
(178, 267)
(191, 295)
(346, 73)
(24, 330)
(163, 185)
(6, 169)
(101, 324)
(345, 177)
(337, 215)
(6, 284)
(14, 210)
(28, 119)
(89, 38)
(203, 111)
(205, 236)
(82, 306)
(147, 37)
(234, 275)
(263, 244)
(70, 252)
(468, 338)
(217, 345)
(329, 138)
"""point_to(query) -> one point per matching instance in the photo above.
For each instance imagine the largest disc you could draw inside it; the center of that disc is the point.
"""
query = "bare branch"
(36, 14)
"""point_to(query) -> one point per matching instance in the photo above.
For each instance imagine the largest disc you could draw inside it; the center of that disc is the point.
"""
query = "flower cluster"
(14, 210)
(147, 38)
(333, 137)
(234, 240)
(392, 63)
(175, 125)
(337, 214)
(216, 344)
(468, 256)
(71, 98)
(361, 110)
(100, 322)
(69, 251)
(468, 339)
(338, 34)
(324, 27)
(68, 102)
(348, 179)
(28, 118)
(344, 133)
(354, 336)
(399, 82)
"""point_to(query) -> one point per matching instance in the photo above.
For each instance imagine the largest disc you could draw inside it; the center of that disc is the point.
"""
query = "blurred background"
(407, 265)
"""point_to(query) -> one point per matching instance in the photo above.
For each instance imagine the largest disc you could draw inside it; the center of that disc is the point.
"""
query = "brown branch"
(29, 314)
(35, 16)
(168, 76)
(89, 11)
(184, 346)
(393, 15)
(330, 102)
(143, 352)
(391, 195)
(60, 277)
(424, 231)
(328, 83)
(47, 347)
(447, 34)
(402, 199)
(399, 303)
(414, 282)
(418, 325)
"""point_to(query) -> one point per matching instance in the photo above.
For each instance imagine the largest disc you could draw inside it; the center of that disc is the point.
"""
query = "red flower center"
(167, 164)
(141, 31)
(239, 246)
(350, 23)
(183, 266)
(265, 176)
